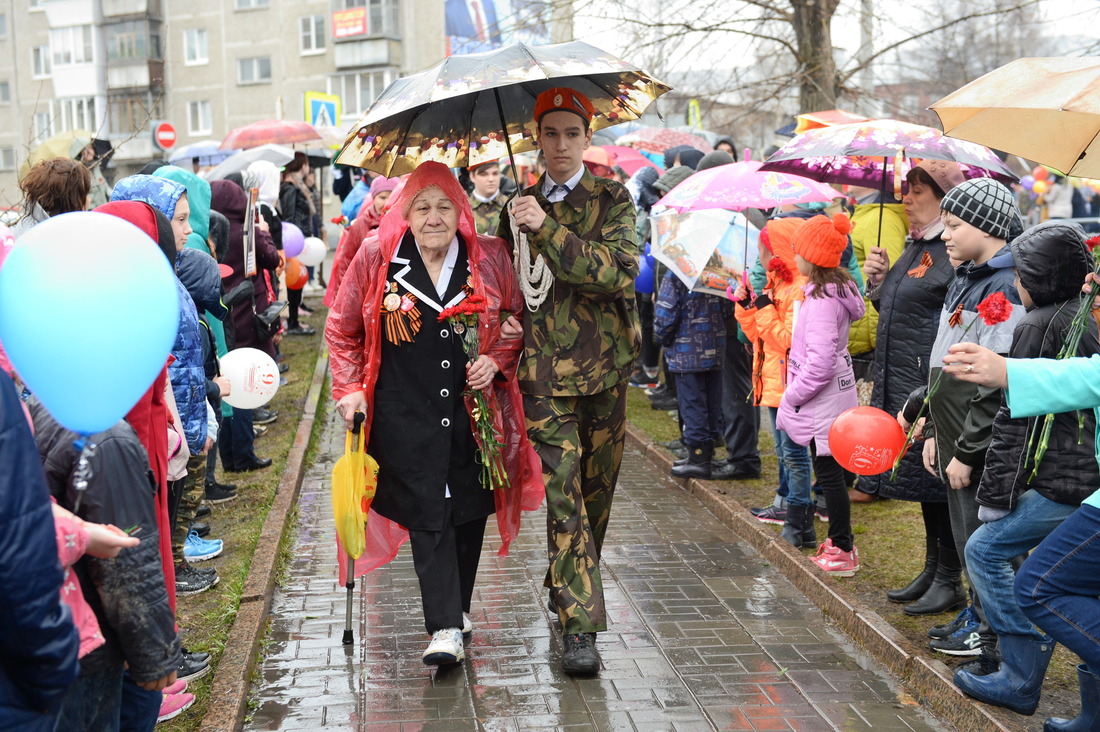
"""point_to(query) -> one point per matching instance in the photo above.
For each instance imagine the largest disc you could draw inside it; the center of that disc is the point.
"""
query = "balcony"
(144, 74)
(117, 8)
(367, 52)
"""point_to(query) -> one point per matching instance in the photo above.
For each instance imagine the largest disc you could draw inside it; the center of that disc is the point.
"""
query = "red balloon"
(1040, 173)
(866, 440)
(296, 275)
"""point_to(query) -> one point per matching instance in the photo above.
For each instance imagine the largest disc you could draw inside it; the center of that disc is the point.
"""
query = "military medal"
(400, 315)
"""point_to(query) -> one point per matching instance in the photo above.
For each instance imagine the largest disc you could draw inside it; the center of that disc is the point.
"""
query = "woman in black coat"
(909, 297)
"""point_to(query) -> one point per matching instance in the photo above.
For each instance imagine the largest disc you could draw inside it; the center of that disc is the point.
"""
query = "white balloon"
(253, 377)
(313, 253)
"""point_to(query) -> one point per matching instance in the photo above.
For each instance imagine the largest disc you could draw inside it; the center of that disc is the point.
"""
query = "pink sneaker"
(830, 558)
(173, 704)
(177, 688)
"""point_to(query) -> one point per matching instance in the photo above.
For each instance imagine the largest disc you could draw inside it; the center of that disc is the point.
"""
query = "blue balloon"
(88, 316)
(645, 281)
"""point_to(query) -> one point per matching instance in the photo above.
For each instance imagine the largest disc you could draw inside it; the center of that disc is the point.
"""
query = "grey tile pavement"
(703, 635)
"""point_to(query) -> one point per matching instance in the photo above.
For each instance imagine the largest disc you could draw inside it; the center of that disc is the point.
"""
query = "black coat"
(909, 301)
(127, 593)
(1051, 262)
(421, 434)
(38, 641)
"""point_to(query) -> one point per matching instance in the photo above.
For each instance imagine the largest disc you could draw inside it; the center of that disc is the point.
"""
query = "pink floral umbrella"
(869, 153)
(629, 159)
(738, 186)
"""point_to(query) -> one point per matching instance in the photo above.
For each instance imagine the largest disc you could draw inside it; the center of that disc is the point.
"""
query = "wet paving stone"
(703, 635)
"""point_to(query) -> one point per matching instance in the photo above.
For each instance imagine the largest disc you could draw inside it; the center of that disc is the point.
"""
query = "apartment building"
(115, 67)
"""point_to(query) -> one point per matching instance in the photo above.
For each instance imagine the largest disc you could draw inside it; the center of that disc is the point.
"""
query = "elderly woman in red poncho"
(394, 360)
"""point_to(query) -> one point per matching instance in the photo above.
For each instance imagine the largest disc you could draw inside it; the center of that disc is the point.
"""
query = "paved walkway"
(703, 636)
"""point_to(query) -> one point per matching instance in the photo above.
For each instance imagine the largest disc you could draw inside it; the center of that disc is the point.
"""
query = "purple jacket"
(820, 383)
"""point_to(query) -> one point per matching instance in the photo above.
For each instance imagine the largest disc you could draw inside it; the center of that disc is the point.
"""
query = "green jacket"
(584, 337)
(487, 215)
(865, 234)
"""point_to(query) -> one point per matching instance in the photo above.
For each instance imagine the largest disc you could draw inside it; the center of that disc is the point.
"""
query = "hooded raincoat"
(354, 333)
(769, 322)
(350, 240)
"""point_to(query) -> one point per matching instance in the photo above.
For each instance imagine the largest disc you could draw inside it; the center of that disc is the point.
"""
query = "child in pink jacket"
(820, 382)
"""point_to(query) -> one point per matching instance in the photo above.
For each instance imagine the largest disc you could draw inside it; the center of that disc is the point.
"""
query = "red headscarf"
(394, 224)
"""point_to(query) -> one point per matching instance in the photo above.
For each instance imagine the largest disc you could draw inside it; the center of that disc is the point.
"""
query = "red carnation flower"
(1093, 243)
(995, 309)
(782, 269)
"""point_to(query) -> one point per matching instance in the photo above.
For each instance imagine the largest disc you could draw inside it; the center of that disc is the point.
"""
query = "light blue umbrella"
(206, 151)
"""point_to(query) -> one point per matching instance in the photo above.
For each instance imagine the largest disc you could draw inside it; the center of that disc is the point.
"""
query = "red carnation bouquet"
(463, 318)
(993, 310)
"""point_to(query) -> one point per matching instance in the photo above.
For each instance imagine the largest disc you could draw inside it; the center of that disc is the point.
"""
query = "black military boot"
(698, 463)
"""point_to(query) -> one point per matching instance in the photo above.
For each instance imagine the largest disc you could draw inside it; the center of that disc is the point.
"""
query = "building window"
(358, 90)
(3, 26)
(131, 113)
(199, 119)
(250, 4)
(40, 62)
(43, 125)
(5, 92)
(132, 40)
(312, 29)
(72, 45)
(254, 70)
(7, 158)
(196, 46)
(76, 113)
(382, 15)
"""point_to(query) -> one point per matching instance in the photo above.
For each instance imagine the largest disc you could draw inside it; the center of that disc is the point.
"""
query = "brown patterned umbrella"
(457, 112)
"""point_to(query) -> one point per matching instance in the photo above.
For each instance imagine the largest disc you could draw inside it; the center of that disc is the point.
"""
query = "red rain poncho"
(353, 333)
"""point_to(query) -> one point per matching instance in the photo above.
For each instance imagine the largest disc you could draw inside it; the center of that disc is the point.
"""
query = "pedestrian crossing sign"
(323, 110)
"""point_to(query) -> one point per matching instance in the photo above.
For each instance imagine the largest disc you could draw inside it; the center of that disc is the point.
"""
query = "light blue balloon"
(88, 316)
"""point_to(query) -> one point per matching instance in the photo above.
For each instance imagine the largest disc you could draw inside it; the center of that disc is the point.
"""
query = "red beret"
(562, 98)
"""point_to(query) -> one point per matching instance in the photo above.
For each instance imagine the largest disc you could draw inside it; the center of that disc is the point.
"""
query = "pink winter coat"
(820, 383)
(72, 540)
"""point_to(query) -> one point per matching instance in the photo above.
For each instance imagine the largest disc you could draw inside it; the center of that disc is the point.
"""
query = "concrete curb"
(229, 691)
(929, 680)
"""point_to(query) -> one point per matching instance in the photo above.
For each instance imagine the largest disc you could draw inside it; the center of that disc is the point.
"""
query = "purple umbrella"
(869, 153)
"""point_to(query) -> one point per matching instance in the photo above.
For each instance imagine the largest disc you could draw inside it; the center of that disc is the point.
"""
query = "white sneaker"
(467, 624)
(445, 648)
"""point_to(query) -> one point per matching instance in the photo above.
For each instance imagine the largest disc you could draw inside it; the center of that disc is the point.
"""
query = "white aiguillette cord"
(535, 278)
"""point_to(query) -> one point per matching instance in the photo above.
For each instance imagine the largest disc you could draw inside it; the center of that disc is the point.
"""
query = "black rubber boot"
(798, 529)
(698, 463)
(920, 584)
(944, 594)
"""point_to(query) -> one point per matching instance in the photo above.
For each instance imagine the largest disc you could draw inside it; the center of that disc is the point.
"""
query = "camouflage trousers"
(580, 442)
(189, 494)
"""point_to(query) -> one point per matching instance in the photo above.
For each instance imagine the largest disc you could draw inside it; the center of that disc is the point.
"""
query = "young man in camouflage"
(486, 200)
(580, 345)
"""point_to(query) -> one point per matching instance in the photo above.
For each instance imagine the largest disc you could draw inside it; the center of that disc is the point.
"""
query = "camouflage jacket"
(487, 215)
(584, 337)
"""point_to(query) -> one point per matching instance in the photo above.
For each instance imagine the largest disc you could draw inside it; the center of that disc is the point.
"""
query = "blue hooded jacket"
(186, 373)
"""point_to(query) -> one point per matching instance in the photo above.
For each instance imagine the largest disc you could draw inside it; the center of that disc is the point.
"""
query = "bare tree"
(800, 31)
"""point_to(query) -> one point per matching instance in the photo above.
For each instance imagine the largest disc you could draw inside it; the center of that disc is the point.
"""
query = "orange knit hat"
(822, 240)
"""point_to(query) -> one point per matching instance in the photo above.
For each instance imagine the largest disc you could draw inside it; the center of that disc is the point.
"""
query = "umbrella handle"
(358, 419)
(349, 636)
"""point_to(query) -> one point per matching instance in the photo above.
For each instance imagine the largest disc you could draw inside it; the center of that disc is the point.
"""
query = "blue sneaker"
(197, 549)
(967, 619)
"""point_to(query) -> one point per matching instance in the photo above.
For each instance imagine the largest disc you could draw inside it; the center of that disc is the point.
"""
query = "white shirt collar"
(448, 267)
(548, 185)
(481, 198)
